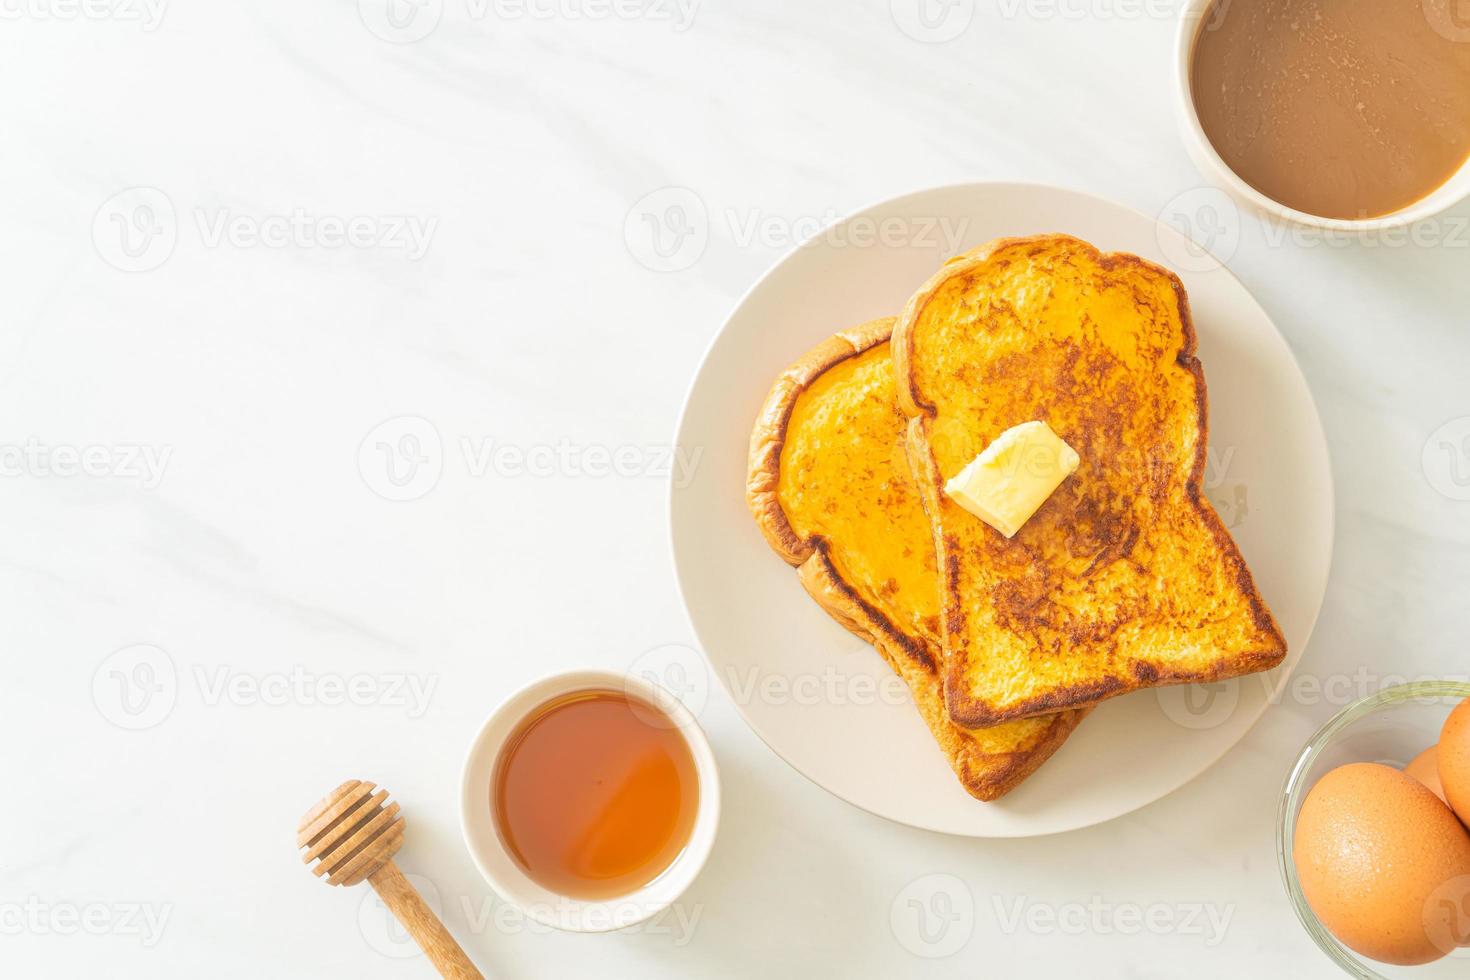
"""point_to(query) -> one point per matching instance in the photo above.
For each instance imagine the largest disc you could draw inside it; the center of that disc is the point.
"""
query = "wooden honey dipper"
(353, 834)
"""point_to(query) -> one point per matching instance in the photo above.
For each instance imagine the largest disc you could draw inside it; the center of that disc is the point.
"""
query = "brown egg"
(1454, 759)
(1425, 768)
(1384, 864)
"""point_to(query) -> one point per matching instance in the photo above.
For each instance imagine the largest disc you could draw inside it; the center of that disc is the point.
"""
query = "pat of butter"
(1007, 483)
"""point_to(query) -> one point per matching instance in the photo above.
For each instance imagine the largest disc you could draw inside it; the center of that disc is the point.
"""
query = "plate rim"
(991, 186)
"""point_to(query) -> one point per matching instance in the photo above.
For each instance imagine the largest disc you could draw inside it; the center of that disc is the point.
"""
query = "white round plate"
(821, 698)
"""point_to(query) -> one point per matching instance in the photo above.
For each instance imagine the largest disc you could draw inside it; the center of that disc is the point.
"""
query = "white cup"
(1195, 18)
(501, 869)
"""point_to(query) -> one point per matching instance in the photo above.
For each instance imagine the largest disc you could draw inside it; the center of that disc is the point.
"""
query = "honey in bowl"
(1339, 108)
(595, 794)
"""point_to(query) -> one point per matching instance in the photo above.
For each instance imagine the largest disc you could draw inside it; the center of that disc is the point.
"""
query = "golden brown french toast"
(831, 489)
(1124, 578)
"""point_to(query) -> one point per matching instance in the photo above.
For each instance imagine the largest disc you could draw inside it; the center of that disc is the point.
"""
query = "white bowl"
(1195, 18)
(500, 868)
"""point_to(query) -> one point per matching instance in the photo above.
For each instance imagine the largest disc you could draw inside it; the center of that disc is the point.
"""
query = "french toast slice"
(1125, 578)
(830, 487)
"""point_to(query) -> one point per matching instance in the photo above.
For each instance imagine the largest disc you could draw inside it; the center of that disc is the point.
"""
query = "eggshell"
(1454, 760)
(1384, 864)
(1425, 768)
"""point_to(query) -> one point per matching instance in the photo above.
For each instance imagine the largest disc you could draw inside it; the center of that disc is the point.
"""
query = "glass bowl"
(1391, 727)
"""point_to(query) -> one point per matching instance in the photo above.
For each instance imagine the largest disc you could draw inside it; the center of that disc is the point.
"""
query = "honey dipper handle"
(404, 901)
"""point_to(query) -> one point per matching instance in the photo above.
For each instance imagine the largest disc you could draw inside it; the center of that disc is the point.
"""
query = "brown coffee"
(1339, 108)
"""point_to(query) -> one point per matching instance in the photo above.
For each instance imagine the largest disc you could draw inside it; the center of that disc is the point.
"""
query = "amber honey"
(595, 794)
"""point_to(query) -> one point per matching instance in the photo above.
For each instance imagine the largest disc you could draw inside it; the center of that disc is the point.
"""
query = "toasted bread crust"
(968, 711)
(985, 775)
(768, 438)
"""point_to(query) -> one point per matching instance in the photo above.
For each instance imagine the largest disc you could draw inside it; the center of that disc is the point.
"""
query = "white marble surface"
(516, 140)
